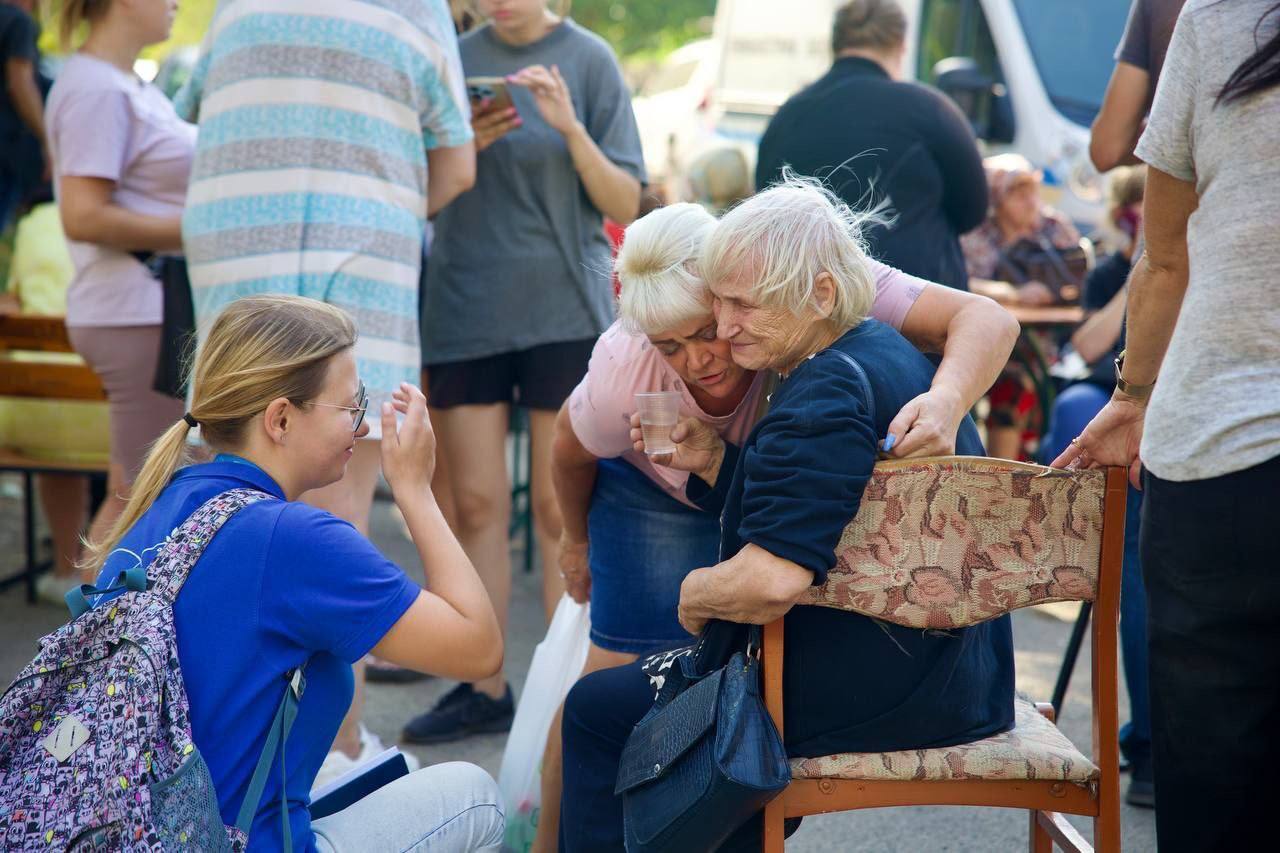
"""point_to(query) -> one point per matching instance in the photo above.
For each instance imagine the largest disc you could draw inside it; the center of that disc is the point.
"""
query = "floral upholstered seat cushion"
(1033, 749)
(951, 542)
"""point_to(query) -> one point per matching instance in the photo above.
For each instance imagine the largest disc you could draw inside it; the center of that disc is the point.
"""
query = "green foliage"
(645, 27)
(633, 27)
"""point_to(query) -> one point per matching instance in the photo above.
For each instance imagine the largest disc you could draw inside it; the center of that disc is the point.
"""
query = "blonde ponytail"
(261, 348)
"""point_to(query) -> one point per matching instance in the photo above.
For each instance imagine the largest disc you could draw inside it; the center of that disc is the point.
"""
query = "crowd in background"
(502, 255)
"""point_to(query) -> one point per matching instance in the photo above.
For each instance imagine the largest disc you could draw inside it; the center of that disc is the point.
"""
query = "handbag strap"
(277, 735)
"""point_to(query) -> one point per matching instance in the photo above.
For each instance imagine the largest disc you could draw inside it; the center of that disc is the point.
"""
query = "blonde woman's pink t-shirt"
(624, 363)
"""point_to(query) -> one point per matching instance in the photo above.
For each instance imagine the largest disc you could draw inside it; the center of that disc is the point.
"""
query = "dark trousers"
(1211, 561)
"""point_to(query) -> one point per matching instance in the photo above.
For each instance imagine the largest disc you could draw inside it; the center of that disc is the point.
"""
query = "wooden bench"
(36, 362)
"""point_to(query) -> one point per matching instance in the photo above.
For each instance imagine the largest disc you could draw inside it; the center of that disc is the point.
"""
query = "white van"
(1029, 73)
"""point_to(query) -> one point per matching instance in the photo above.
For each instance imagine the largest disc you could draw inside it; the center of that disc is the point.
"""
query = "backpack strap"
(177, 555)
(184, 547)
(277, 735)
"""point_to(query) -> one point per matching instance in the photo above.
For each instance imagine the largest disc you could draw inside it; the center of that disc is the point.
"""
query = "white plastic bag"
(557, 663)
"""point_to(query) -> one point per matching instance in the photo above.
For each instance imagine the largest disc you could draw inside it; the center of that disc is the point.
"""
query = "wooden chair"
(990, 536)
(38, 361)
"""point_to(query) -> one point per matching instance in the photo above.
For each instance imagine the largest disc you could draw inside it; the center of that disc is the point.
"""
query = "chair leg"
(1041, 841)
(774, 826)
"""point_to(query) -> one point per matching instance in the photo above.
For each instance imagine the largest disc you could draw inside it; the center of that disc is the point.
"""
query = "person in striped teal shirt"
(329, 131)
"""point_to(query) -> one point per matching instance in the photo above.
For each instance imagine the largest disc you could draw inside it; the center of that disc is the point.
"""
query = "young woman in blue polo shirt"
(277, 397)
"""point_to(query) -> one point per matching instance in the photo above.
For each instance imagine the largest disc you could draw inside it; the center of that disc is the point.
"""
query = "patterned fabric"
(955, 542)
(1033, 749)
(310, 174)
(95, 733)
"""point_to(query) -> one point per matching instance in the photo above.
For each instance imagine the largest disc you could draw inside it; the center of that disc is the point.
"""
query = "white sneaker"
(53, 589)
(336, 763)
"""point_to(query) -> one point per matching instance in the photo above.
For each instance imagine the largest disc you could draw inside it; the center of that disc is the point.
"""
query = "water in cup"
(659, 413)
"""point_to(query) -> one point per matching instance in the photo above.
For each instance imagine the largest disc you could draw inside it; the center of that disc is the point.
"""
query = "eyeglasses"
(357, 411)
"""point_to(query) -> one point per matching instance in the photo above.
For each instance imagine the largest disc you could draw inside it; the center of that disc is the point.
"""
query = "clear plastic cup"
(659, 413)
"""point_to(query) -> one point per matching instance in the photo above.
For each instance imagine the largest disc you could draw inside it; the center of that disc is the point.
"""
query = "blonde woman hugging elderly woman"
(631, 532)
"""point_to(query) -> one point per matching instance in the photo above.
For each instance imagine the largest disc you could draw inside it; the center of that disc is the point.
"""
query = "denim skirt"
(643, 543)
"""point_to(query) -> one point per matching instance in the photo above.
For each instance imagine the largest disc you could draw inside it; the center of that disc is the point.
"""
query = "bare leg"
(553, 758)
(1005, 442)
(441, 485)
(350, 499)
(64, 499)
(473, 438)
(546, 510)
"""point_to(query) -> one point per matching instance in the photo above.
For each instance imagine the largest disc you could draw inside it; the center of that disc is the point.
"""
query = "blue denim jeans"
(1072, 411)
(643, 544)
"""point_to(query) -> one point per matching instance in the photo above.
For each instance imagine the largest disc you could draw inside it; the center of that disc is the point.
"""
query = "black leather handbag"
(706, 757)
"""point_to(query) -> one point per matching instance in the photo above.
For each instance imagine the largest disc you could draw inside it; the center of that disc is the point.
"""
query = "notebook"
(358, 782)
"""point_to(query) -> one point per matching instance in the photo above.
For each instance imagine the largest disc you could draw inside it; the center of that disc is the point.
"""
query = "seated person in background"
(630, 533)
(1099, 341)
(792, 289)
(282, 584)
(1016, 214)
(719, 178)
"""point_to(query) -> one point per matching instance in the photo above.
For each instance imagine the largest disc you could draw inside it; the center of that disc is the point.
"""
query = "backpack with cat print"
(96, 750)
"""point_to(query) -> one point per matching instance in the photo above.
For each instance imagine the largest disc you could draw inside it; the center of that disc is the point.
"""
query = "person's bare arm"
(89, 215)
(613, 190)
(975, 337)
(450, 172)
(1156, 288)
(24, 94)
(573, 474)
(1120, 120)
(1099, 333)
(450, 629)
(752, 587)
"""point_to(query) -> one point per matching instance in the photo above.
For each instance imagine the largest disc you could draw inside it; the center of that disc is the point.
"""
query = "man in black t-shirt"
(22, 161)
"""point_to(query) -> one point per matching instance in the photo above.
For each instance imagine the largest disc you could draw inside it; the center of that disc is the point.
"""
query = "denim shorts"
(643, 543)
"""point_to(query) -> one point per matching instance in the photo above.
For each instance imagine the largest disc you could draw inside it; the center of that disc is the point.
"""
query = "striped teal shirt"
(310, 173)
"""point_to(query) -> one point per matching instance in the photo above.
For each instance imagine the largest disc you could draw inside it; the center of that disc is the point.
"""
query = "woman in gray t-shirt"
(1204, 314)
(518, 289)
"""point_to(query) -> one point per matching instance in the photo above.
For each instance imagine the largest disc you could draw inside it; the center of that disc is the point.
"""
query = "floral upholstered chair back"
(954, 541)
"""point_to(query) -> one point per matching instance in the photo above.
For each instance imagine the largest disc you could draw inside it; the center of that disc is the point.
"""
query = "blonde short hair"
(657, 267)
(788, 235)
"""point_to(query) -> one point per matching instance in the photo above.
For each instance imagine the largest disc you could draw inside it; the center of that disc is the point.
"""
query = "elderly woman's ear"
(824, 294)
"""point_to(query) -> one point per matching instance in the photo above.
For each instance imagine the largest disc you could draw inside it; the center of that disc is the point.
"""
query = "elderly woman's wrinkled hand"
(699, 448)
(753, 587)
(575, 569)
(927, 426)
(1113, 437)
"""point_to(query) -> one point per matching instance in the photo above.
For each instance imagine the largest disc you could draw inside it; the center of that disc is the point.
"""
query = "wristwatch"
(1131, 389)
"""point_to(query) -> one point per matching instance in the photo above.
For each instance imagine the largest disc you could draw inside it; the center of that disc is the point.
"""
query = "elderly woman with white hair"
(793, 290)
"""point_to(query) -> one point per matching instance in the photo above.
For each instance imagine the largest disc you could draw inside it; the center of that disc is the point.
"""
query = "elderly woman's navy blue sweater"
(853, 684)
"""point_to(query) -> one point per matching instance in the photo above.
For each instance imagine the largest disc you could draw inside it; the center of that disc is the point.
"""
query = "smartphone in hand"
(491, 89)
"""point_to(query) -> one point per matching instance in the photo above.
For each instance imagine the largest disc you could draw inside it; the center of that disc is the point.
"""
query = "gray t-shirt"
(1216, 406)
(522, 260)
(1146, 35)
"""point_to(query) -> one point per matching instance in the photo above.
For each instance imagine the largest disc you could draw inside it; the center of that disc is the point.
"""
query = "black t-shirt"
(869, 137)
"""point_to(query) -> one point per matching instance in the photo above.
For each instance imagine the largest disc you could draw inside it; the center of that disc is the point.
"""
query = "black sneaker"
(461, 712)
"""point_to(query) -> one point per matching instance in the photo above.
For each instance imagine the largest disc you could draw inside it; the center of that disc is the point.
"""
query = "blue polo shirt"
(281, 583)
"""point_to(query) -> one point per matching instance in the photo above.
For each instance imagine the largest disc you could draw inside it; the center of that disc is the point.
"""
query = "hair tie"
(191, 422)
